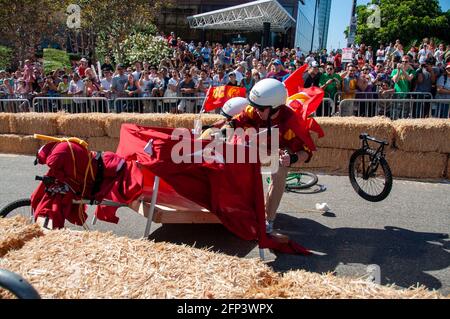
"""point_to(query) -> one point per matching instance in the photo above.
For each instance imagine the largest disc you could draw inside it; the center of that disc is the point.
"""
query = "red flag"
(304, 104)
(218, 95)
(295, 81)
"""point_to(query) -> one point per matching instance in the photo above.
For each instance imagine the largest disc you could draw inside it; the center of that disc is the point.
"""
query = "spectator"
(240, 71)
(187, 89)
(312, 77)
(323, 57)
(349, 83)
(206, 53)
(228, 55)
(402, 76)
(220, 78)
(424, 54)
(106, 83)
(146, 84)
(330, 82)
(119, 81)
(277, 71)
(204, 83)
(82, 68)
(443, 90)
(440, 54)
(63, 86)
(132, 87)
(232, 81)
(137, 70)
(381, 54)
(172, 91)
(310, 59)
(248, 82)
(90, 90)
(107, 65)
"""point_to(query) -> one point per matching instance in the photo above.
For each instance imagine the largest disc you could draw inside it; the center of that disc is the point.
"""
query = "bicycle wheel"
(301, 180)
(18, 207)
(17, 285)
(371, 180)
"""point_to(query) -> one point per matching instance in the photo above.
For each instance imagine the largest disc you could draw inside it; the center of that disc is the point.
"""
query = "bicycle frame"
(375, 156)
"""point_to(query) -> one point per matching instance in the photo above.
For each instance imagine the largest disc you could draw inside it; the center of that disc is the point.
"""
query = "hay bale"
(5, 118)
(301, 284)
(115, 121)
(18, 144)
(15, 232)
(103, 143)
(328, 160)
(82, 125)
(34, 123)
(417, 165)
(418, 135)
(343, 132)
(67, 264)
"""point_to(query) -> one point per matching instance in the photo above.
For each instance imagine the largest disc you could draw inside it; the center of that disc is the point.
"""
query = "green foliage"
(406, 20)
(143, 47)
(55, 59)
(5, 57)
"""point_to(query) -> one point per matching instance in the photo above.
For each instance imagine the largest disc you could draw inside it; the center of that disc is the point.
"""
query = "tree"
(145, 47)
(406, 20)
(26, 23)
(112, 21)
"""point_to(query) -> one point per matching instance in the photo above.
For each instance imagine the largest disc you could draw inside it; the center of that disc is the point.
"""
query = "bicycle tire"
(8, 209)
(17, 285)
(308, 184)
(385, 191)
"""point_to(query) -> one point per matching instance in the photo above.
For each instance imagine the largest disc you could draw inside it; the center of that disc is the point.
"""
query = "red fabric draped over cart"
(234, 192)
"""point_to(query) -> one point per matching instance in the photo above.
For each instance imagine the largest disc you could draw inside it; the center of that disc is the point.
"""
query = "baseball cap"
(277, 62)
(314, 64)
(83, 60)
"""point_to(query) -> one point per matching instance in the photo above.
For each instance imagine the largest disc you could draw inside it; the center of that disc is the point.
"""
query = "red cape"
(234, 192)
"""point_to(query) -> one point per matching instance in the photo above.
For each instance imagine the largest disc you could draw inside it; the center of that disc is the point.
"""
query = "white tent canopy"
(246, 17)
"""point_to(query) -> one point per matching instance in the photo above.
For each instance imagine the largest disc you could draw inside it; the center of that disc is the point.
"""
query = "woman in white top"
(172, 91)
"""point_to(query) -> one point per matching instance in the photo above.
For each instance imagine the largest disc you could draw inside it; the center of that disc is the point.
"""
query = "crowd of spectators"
(193, 68)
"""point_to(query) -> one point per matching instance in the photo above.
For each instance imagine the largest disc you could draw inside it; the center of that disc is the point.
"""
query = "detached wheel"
(302, 180)
(18, 207)
(370, 178)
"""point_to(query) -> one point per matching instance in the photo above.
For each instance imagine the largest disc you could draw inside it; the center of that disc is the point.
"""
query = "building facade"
(306, 12)
(324, 22)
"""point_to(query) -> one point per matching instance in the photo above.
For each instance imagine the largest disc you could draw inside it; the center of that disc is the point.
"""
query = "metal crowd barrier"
(72, 104)
(158, 104)
(14, 105)
(327, 108)
(395, 108)
(377, 95)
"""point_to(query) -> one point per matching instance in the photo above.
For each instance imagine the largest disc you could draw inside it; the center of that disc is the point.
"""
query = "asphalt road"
(406, 236)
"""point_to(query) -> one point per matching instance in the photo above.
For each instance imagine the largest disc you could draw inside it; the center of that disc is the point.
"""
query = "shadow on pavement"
(214, 236)
(403, 255)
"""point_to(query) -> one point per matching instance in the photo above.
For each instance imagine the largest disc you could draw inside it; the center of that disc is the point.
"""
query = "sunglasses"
(329, 69)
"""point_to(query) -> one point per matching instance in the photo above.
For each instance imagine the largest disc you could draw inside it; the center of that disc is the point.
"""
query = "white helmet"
(234, 106)
(268, 93)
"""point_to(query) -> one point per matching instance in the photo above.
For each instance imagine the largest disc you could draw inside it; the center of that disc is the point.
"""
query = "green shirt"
(402, 85)
(331, 89)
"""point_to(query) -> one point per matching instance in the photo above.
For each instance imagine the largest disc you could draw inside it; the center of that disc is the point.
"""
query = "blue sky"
(340, 19)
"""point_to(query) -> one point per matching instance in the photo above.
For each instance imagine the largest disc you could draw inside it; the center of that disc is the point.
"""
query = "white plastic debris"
(323, 207)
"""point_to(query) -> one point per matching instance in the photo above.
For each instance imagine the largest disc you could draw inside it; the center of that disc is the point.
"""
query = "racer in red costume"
(268, 109)
(75, 173)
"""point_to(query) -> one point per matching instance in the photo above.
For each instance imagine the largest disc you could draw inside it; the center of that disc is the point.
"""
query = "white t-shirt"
(76, 86)
(105, 84)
